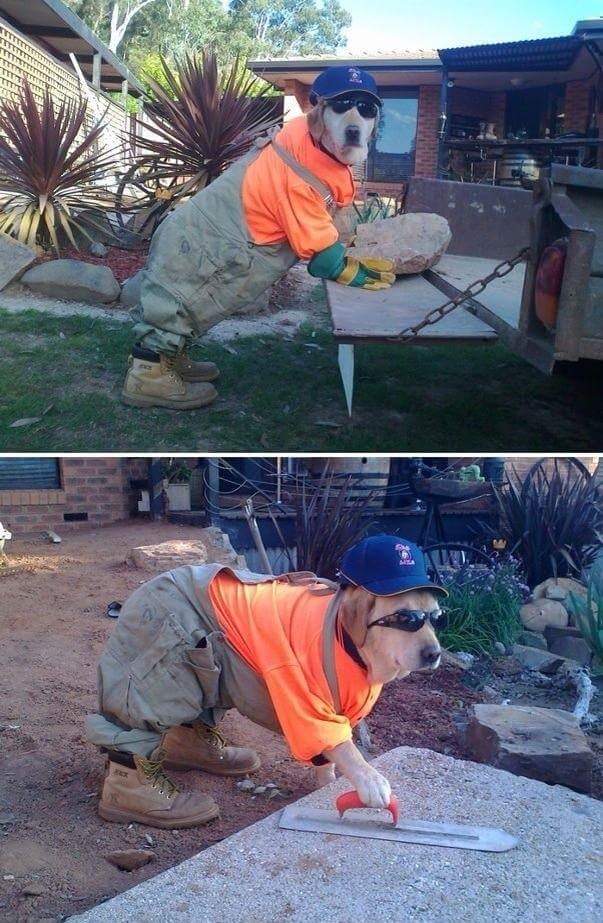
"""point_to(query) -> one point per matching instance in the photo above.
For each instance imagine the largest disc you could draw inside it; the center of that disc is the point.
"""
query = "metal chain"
(499, 271)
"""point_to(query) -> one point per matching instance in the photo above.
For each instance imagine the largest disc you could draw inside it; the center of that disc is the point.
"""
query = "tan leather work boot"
(157, 383)
(143, 794)
(191, 370)
(203, 747)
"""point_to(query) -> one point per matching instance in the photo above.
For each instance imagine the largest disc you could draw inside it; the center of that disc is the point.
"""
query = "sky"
(383, 25)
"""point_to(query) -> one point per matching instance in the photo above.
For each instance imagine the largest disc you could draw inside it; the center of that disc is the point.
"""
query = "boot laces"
(212, 735)
(153, 771)
(170, 366)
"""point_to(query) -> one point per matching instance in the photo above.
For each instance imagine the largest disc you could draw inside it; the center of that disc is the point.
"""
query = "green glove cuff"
(328, 263)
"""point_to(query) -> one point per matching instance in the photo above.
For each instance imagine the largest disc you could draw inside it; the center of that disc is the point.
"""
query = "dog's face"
(345, 135)
(390, 653)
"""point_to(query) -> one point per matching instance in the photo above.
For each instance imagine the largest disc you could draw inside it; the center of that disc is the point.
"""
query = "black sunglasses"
(367, 108)
(407, 619)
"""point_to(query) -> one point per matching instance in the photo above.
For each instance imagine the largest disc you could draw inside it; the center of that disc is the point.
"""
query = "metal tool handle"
(351, 799)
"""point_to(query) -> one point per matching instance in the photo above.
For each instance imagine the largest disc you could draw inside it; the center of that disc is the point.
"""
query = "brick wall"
(97, 486)
(426, 154)
(576, 105)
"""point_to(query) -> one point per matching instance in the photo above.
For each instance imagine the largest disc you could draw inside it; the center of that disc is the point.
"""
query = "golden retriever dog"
(346, 135)
(388, 654)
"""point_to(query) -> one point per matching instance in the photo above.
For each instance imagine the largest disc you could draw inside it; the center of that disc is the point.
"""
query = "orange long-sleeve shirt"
(277, 629)
(280, 206)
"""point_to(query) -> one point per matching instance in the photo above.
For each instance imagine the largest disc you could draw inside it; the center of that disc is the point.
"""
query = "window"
(392, 153)
(29, 474)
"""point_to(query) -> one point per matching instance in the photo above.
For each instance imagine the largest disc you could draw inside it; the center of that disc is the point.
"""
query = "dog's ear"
(356, 608)
(316, 123)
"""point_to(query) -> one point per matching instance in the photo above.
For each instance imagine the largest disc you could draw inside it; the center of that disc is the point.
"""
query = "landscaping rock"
(128, 860)
(14, 259)
(414, 242)
(533, 659)
(73, 280)
(554, 587)
(97, 249)
(543, 613)
(459, 660)
(572, 648)
(130, 290)
(533, 639)
(541, 743)
(212, 547)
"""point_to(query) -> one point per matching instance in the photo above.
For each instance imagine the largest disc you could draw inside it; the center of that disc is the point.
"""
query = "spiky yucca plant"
(47, 176)
(202, 120)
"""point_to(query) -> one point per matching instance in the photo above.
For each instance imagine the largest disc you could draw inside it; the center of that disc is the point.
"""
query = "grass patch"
(285, 395)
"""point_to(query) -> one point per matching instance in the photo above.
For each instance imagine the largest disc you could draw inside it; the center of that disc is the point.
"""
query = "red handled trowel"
(317, 820)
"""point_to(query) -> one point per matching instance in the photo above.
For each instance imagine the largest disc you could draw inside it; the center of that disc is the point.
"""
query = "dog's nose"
(430, 655)
(352, 134)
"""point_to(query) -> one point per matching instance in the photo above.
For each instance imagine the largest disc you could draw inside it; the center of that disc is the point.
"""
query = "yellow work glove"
(371, 274)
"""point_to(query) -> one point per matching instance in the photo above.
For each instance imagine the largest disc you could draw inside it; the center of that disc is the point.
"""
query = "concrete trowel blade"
(458, 836)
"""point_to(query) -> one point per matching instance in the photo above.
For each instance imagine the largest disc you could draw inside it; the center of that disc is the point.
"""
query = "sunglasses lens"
(342, 104)
(366, 107)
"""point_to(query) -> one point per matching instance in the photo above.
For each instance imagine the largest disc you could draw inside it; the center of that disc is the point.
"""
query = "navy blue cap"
(387, 564)
(336, 81)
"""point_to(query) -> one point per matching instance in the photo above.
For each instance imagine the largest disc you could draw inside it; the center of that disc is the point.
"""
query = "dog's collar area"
(407, 619)
(351, 649)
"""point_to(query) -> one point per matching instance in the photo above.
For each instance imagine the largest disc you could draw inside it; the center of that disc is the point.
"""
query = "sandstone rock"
(14, 259)
(558, 588)
(212, 547)
(414, 242)
(130, 290)
(73, 280)
(541, 743)
(128, 860)
(455, 660)
(543, 613)
(533, 639)
(533, 659)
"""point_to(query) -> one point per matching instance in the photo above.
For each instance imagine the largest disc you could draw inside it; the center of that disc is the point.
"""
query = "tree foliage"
(244, 28)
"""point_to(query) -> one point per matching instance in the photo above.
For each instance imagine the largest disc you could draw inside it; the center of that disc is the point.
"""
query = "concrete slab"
(503, 296)
(265, 874)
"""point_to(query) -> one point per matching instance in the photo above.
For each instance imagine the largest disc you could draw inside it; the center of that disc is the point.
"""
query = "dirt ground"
(52, 630)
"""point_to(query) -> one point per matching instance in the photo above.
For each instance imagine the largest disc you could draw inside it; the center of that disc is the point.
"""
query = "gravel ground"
(266, 874)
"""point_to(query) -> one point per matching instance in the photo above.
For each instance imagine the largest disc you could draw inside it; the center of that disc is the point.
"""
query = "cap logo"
(406, 558)
(354, 75)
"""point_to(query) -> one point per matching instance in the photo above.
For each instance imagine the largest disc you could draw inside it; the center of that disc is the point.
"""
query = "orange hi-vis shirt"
(277, 630)
(280, 206)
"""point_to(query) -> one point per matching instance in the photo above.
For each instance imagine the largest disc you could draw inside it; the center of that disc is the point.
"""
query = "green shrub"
(483, 607)
(589, 615)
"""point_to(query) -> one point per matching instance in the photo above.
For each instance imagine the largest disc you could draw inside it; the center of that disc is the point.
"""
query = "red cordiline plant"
(53, 178)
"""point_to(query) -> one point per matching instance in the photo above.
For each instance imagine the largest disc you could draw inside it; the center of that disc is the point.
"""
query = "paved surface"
(265, 874)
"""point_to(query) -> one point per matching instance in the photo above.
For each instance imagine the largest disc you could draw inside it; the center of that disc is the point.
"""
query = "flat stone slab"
(543, 743)
(212, 547)
(14, 259)
(264, 874)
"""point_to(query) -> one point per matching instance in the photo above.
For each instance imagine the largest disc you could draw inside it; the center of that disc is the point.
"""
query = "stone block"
(73, 280)
(14, 259)
(541, 743)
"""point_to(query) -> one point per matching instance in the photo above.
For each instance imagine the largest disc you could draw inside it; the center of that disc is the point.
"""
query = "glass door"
(392, 153)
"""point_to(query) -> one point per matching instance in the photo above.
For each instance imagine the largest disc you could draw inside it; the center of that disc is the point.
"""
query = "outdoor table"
(360, 316)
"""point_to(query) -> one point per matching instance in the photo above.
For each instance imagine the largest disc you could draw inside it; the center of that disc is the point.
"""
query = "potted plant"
(177, 485)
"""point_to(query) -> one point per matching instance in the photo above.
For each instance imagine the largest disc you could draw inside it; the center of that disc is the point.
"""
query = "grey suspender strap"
(317, 184)
(328, 648)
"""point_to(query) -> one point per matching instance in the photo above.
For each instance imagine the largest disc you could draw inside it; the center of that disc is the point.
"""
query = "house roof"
(542, 54)
(57, 29)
